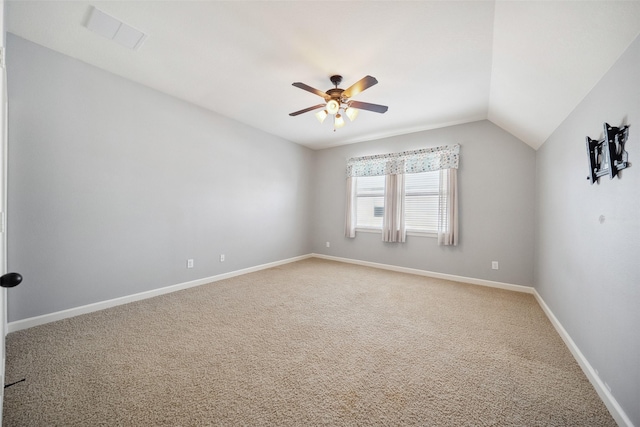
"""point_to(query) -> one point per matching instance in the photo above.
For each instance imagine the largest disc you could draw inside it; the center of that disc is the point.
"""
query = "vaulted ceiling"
(524, 65)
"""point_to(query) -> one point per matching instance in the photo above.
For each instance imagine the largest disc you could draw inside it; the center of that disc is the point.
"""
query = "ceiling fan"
(337, 99)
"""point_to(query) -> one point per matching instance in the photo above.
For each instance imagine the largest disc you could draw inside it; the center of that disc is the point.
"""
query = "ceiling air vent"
(114, 29)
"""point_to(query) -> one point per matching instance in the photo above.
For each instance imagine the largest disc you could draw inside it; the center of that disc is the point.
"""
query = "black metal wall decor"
(607, 155)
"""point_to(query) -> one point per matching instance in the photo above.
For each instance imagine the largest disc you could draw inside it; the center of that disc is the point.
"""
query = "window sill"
(409, 233)
(422, 234)
(368, 230)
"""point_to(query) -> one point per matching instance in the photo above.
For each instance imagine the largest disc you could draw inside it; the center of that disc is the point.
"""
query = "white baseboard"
(59, 315)
(610, 402)
(89, 308)
(462, 279)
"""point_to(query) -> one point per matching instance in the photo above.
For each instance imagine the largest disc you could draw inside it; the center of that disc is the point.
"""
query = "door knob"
(10, 280)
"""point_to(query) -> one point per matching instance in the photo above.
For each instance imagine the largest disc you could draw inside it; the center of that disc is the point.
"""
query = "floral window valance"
(427, 159)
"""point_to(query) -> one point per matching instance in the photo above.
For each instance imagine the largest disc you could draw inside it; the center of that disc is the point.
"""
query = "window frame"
(414, 231)
(370, 229)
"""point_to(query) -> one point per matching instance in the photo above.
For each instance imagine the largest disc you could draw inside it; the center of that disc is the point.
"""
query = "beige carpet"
(305, 344)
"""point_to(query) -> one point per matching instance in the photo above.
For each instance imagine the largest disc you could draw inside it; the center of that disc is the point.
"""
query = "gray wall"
(496, 185)
(113, 186)
(589, 272)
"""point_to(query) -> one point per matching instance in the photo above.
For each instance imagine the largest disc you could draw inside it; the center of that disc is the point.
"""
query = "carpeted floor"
(309, 343)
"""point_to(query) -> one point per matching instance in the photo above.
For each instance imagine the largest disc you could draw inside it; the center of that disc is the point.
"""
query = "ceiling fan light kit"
(321, 115)
(352, 113)
(337, 99)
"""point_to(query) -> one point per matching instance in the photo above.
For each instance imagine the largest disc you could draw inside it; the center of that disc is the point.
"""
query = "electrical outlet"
(189, 263)
(328, 244)
(494, 265)
(221, 257)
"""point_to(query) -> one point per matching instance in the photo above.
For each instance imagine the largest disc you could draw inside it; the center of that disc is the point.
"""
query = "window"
(421, 202)
(369, 202)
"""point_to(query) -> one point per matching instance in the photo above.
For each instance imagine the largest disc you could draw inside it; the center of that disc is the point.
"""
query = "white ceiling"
(524, 65)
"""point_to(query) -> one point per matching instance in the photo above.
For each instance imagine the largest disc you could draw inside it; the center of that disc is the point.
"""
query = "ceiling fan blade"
(306, 110)
(311, 89)
(369, 107)
(359, 86)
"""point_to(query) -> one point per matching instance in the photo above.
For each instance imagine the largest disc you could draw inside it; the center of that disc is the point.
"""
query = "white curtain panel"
(393, 228)
(350, 219)
(448, 208)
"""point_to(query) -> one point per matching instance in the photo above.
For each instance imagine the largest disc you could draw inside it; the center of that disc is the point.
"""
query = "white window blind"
(369, 201)
(421, 201)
